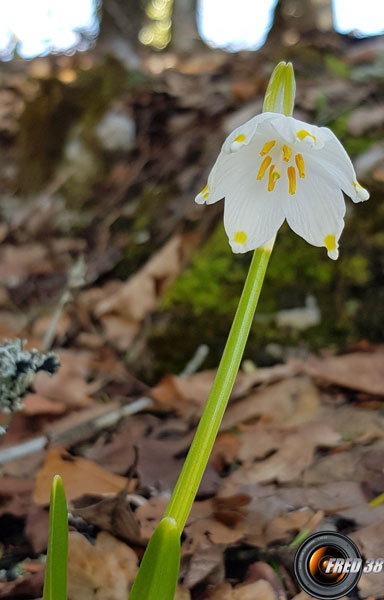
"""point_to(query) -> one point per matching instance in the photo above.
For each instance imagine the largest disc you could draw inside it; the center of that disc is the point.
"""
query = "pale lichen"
(18, 368)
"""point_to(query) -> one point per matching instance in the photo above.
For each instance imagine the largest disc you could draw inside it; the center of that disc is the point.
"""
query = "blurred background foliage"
(108, 134)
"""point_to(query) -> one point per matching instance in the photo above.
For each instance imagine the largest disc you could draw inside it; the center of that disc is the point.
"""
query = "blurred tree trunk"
(185, 35)
(292, 18)
(121, 21)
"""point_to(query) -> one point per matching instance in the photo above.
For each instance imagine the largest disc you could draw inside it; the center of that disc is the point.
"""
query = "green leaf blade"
(55, 579)
(159, 569)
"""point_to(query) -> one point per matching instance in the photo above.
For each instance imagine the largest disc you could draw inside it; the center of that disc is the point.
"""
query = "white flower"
(275, 167)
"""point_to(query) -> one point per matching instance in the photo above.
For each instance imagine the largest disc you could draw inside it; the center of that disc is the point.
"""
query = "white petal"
(299, 134)
(335, 163)
(211, 193)
(232, 169)
(252, 215)
(244, 134)
(316, 212)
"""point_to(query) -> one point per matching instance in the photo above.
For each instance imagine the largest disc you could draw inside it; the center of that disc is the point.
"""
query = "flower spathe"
(275, 167)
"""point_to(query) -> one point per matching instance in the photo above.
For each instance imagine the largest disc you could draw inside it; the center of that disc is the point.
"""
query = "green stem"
(189, 480)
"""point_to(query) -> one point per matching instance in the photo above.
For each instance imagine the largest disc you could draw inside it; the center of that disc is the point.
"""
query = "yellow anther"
(240, 138)
(286, 152)
(291, 172)
(300, 165)
(303, 134)
(267, 147)
(273, 177)
(263, 167)
(330, 242)
(240, 237)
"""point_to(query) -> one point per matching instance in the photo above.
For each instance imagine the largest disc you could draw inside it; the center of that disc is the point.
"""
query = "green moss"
(216, 276)
(213, 281)
(355, 269)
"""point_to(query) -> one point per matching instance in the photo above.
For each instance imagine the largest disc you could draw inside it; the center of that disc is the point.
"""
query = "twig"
(197, 359)
(64, 432)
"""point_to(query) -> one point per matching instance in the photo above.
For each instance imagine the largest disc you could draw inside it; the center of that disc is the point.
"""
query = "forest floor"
(96, 241)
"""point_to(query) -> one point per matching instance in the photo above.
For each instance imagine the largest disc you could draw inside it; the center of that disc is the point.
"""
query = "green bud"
(281, 90)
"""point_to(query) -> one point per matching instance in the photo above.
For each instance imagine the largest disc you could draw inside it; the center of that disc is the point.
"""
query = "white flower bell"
(275, 167)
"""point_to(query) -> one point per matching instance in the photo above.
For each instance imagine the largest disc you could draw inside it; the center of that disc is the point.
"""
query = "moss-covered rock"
(199, 307)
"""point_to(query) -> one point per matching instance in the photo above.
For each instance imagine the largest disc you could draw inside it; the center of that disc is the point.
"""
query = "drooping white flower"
(275, 167)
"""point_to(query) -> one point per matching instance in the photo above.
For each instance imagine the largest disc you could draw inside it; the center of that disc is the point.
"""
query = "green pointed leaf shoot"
(159, 569)
(55, 579)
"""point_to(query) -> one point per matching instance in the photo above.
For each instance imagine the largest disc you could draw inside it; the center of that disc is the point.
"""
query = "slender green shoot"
(55, 579)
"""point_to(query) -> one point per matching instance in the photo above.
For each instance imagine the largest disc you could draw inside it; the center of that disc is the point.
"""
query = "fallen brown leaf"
(35, 404)
(113, 514)
(206, 565)
(342, 466)
(209, 530)
(80, 476)
(184, 395)
(182, 593)
(330, 497)
(280, 528)
(68, 386)
(289, 402)
(103, 571)
(361, 371)
(17, 262)
(245, 382)
(259, 440)
(159, 462)
(259, 590)
(13, 486)
(149, 514)
(369, 540)
(305, 596)
(363, 514)
(226, 510)
(262, 570)
(225, 450)
(133, 300)
(187, 395)
(287, 464)
(37, 527)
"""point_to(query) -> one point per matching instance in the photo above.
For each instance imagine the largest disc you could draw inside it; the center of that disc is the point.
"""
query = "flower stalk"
(196, 461)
